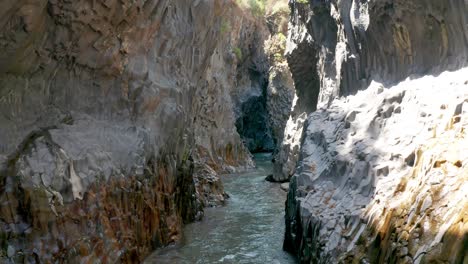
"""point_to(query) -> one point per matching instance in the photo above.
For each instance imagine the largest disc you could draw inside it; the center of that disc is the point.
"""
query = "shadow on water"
(249, 229)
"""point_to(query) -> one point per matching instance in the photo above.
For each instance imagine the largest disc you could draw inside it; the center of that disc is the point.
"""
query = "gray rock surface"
(116, 119)
(250, 95)
(280, 95)
(280, 91)
(367, 165)
(336, 48)
(384, 172)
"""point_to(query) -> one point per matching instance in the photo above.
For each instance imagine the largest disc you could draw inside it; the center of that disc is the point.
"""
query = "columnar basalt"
(251, 88)
(337, 48)
(116, 118)
(379, 172)
(382, 176)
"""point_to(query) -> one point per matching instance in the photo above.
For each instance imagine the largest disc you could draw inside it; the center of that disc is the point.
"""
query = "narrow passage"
(249, 229)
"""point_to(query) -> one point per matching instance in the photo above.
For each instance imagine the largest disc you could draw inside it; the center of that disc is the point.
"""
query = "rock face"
(250, 97)
(343, 46)
(380, 168)
(116, 117)
(280, 90)
(383, 176)
(336, 48)
(264, 81)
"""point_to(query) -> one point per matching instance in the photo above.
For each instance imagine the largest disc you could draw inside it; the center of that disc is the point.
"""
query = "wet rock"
(269, 178)
(253, 126)
(209, 188)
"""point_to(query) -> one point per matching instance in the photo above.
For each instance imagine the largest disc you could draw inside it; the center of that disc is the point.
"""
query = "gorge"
(121, 119)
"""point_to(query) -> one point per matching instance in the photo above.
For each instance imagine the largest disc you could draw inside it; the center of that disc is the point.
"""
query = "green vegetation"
(280, 8)
(278, 57)
(276, 47)
(303, 1)
(256, 7)
(281, 38)
(225, 26)
(238, 52)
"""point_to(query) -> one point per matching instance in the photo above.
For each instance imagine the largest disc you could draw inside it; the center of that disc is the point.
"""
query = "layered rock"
(267, 82)
(383, 176)
(116, 118)
(336, 48)
(377, 173)
(344, 45)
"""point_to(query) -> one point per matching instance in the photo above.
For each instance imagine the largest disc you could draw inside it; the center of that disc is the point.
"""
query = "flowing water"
(249, 229)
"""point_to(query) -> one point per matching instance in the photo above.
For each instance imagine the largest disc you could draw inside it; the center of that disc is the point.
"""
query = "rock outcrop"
(280, 91)
(116, 118)
(337, 48)
(383, 175)
(379, 165)
(252, 118)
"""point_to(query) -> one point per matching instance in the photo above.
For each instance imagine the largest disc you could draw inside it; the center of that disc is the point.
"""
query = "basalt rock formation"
(337, 48)
(382, 176)
(116, 119)
(380, 163)
(250, 93)
(280, 90)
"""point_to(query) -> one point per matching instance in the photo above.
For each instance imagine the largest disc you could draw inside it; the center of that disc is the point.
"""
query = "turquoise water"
(249, 229)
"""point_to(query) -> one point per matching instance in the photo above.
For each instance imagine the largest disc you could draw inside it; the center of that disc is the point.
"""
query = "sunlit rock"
(388, 185)
(372, 180)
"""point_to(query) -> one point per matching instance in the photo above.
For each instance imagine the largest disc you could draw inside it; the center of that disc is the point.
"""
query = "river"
(249, 229)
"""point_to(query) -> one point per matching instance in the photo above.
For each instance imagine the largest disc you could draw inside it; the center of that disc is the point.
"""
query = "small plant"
(280, 7)
(225, 26)
(276, 47)
(257, 7)
(238, 52)
(278, 57)
(281, 37)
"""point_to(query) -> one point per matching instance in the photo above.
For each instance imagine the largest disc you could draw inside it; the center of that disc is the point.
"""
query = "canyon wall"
(116, 119)
(377, 135)
(336, 48)
(267, 87)
(280, 91)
